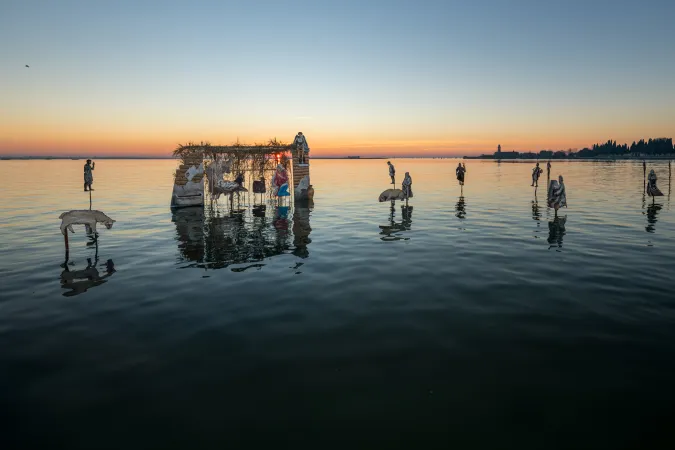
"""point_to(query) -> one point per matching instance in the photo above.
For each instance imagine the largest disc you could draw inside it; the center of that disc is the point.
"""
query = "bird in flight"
(27, 65)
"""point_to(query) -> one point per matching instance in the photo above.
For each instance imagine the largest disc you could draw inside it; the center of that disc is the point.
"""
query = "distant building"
(499, 148)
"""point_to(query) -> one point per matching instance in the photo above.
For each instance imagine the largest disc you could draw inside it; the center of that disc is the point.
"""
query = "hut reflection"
(556, 231)
(215, 239)
(391, 231)
(190, 230)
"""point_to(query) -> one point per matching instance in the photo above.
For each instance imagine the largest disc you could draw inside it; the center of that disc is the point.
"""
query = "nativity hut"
(248, 167)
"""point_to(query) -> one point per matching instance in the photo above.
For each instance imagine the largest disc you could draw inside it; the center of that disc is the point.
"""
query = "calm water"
(473, 319)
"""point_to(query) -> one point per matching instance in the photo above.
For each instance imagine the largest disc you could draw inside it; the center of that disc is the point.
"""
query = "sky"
(369, 78)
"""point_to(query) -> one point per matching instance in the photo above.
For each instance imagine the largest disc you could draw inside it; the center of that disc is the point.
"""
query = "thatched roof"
(237, 150)
(256, 158)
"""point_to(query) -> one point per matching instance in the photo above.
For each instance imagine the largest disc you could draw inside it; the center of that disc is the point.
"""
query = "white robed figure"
(557, 197)
(406, 186)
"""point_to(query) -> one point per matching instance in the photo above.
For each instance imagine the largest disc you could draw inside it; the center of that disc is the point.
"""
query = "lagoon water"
(474, 319)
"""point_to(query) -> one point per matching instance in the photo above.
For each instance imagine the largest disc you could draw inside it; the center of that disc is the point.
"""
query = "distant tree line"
(658, 146)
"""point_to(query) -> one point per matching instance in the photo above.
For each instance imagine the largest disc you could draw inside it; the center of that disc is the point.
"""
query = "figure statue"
(280, 182)
(652, 190)
(391, 194)
(460, 171)
(302, 148)
(557, 197)
(88, 218)
(392, 172)
(536, 173)
(217, 184)
(407, 186)
(88, 176)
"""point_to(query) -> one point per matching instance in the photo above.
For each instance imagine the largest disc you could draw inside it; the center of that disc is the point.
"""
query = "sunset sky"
(394, 78)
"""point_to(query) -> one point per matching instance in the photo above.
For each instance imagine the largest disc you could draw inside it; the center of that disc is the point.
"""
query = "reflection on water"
(143, 350)
(536, 216)
(391, 231)
(190, 229)
(652, 211)
(556, 231)
(460, 208)
(214, 239)
(301, 228)
(78, 281)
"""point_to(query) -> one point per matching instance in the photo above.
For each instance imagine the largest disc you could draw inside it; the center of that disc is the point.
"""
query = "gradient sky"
(357, 77)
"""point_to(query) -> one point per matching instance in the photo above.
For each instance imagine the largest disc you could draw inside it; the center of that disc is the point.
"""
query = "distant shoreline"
(481, 157)
(84, 158)
(575, 158)
(75, 158)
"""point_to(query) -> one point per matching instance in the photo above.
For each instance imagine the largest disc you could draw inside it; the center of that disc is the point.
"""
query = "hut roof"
(273, 146)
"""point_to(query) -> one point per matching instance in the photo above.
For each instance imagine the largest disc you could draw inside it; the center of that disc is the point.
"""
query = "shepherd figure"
(88, 176)
(302, 148)
(652, 190)
(536, 173)
(392, 172)
(407, 186)
(557, 197)
(460, 171)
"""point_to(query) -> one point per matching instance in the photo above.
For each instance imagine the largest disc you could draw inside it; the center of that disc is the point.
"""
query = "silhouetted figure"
(536, 173)
(88, 176)
(392, 172)
(652, 189)
(459, 172)
(548, 170)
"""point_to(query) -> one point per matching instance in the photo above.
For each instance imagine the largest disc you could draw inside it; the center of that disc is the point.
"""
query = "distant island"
(652, 148)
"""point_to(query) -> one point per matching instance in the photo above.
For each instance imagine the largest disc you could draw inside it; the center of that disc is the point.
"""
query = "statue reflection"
(652, 211)
(301, 228)
(391, 231)
(79, 281)
(213, 239)
(536, 215)
(556, 231)
(460, 208)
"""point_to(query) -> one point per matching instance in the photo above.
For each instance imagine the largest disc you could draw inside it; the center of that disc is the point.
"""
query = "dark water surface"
(477, 320)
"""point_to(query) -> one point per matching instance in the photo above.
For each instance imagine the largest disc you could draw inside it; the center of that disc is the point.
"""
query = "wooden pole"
(65, 239)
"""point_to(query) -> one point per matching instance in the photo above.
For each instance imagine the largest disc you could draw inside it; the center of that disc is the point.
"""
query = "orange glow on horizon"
(155, 140)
